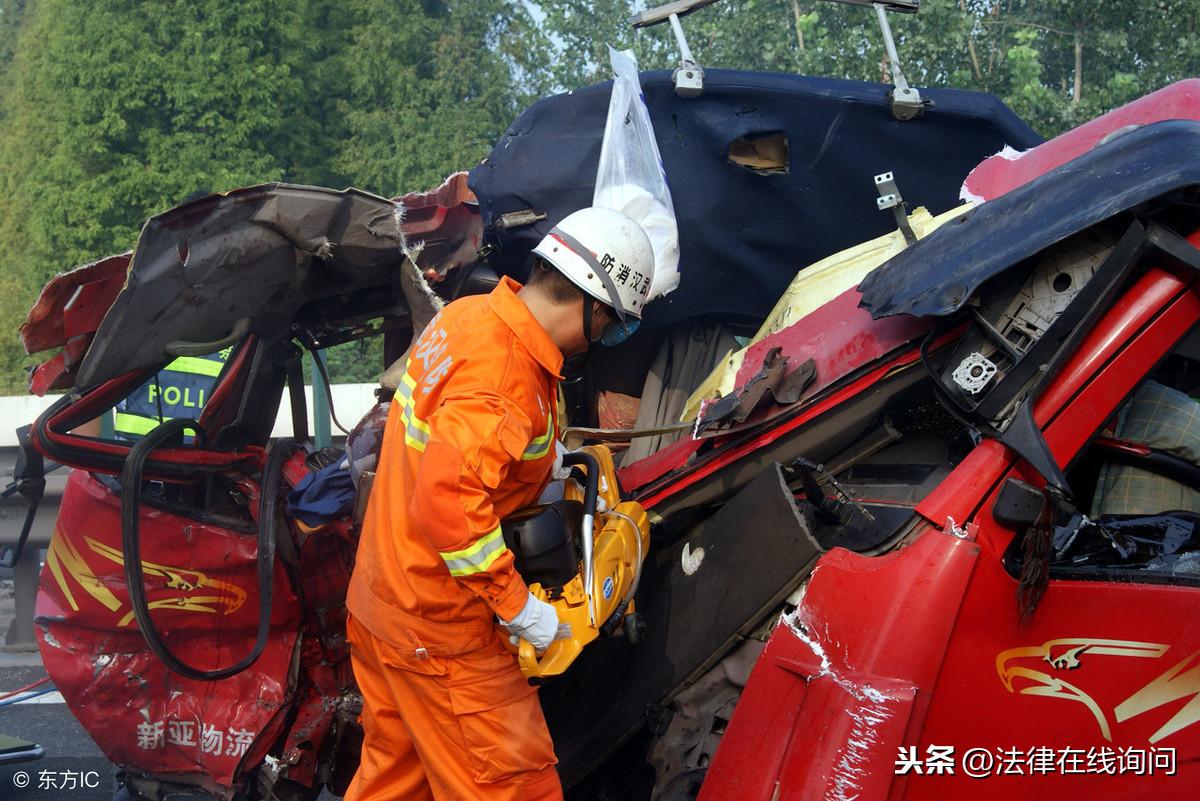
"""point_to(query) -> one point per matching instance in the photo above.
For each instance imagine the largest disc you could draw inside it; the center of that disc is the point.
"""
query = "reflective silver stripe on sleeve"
(478, 557)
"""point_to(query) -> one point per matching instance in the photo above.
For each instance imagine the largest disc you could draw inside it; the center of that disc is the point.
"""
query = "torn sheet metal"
(189, 277)
(66, 314)
(423, 306)
(777, 379)
(1010, 168)
(939, 275)
(442, 228)
(839, 339)
(815, 288)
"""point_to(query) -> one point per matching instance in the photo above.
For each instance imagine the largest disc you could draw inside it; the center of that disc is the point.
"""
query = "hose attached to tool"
(131, 490)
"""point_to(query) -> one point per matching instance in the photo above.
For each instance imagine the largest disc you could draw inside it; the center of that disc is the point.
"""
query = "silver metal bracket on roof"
(906, 100)
(889, 198)
(688, 76)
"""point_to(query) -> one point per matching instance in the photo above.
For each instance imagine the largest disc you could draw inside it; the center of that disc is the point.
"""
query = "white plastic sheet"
(631, 178)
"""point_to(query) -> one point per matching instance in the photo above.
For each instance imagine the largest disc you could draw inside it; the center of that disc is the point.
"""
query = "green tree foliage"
(1056, 62)
(11, 12)
(118, 110)
(583, 32)
(432, 86)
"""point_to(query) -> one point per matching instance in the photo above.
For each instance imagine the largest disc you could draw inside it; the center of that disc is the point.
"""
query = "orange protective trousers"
(448, 728)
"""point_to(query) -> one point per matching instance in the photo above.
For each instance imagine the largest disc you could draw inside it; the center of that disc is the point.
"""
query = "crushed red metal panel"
(326, 560)
(66, 314)
(442, 227)
(1102, 664)
(855, 663)
(201, 585)
(838, 337)
(59, 372)
(73, 303)
(424, 212)
(656, 465)
(49, 375)
(1009, 169)
(863, 655)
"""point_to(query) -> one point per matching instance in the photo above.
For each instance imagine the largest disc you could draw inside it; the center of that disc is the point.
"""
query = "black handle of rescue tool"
(592, 485)
(182, 347)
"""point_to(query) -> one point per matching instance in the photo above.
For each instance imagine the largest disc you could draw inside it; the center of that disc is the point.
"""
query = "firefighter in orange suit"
(470, 439)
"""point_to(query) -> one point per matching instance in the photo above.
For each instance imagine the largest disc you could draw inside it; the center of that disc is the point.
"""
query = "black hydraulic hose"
(131, 488)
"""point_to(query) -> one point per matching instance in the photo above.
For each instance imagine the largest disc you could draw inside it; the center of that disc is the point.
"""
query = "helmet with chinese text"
(606, 254)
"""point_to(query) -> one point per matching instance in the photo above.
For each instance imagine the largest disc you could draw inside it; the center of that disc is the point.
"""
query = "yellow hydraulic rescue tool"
(584, 555)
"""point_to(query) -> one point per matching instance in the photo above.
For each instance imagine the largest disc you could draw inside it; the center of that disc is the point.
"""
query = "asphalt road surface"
(73, 766)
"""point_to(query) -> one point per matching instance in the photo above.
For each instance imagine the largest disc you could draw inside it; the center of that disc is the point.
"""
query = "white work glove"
(538, 623)
(558, 472)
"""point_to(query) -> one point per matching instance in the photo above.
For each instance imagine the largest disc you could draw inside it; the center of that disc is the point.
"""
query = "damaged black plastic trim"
(939, 274)
(1005, 413)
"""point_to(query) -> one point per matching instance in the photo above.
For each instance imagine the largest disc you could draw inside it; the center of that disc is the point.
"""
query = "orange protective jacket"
(469, 440)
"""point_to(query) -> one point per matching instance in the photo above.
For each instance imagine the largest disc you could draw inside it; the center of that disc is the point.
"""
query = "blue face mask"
(617, 332)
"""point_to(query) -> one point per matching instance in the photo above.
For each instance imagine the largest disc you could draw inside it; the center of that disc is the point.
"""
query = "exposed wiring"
(26, 688)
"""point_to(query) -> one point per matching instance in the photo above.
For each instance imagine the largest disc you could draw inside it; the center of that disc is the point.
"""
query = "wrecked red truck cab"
(904, 543)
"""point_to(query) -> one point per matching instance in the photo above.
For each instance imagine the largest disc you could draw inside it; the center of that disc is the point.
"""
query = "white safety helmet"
(608, 256)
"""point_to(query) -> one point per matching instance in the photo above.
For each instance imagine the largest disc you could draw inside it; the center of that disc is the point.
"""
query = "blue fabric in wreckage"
(323, 495)
(743, 233)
